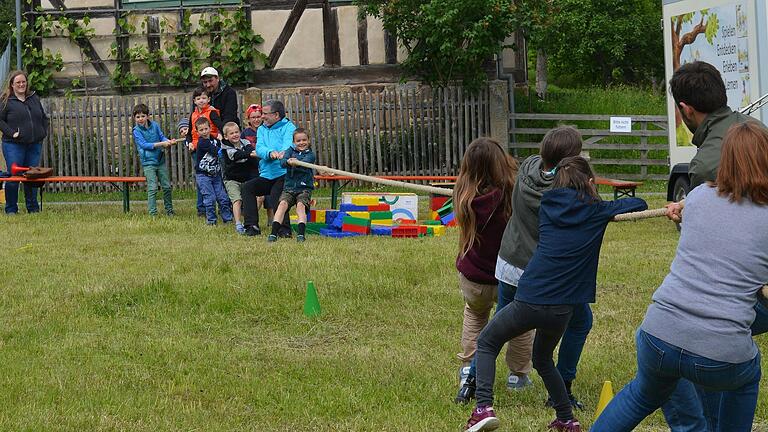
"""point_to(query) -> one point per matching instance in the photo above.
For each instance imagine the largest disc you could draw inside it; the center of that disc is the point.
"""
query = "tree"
(604, 41)
(7, 21)
(448, 41)
(708, 25)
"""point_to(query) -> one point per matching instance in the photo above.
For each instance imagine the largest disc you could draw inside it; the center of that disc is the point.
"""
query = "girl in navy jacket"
(561, 273)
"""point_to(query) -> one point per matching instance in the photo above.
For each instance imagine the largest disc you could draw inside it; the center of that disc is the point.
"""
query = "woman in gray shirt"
(697, 327)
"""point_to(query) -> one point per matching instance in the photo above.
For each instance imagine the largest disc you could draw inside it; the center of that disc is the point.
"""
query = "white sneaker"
(515, 382)
(463, 374)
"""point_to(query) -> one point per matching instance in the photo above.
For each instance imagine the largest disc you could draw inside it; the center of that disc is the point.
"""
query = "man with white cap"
(223, 97)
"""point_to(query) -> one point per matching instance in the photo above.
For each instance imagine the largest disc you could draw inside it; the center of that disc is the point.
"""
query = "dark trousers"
(550, 322)
(260, 186)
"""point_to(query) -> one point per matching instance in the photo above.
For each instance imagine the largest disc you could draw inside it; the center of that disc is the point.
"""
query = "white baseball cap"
(209, 71)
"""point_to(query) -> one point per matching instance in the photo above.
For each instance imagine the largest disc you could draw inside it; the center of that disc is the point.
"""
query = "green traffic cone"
(311, 303)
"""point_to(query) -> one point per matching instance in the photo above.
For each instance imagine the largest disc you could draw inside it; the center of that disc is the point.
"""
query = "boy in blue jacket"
(298, 185)
(151, 144)
(208, 174)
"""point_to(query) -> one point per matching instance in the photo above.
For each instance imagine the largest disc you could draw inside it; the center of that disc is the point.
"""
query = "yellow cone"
(606, 394)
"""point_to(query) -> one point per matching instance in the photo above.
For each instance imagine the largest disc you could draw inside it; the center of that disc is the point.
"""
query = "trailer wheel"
(681, 188)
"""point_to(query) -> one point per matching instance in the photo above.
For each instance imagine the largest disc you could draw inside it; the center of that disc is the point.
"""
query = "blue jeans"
(212, 189)
(689, 406)
(660, 366)
(573, 341)
(26, 155)
(200, 205)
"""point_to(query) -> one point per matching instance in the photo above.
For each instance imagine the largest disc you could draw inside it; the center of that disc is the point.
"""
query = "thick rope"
(646, 214)
(417, 187)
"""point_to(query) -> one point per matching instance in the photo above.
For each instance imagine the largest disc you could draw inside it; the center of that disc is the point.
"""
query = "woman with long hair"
(698, 325)
(24, 124)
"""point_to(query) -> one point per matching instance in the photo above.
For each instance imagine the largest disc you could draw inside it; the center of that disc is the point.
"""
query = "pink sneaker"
(572, 425)
(482, 419)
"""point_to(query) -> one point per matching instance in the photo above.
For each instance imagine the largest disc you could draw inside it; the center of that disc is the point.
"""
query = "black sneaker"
(251, 231)
(575, 403)
(300, 238)
(284, 233)
(466, 392)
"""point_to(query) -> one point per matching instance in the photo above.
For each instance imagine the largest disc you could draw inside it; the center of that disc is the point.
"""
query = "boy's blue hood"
(564, 208)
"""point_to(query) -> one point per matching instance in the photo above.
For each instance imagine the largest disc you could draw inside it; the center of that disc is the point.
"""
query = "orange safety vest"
(196, 114)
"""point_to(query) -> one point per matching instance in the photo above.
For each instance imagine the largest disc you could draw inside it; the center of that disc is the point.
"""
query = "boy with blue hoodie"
(208, 174)
(273, 138)
(298, 185)
(151, 143)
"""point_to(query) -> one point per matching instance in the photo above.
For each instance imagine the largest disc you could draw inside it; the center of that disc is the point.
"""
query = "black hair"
(699, 85)
(202, 121)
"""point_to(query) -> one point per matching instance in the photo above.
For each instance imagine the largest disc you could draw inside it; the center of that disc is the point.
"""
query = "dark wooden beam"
(390, 48)
(288, 29)
(153, 33)
(362, 38)
(84, 44)
(331, 36)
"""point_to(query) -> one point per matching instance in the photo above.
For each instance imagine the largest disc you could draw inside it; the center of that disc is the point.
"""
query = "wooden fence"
(391, 131)
(638, 155)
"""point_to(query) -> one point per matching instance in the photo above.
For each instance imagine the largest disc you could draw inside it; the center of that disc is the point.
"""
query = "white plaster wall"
(269, 24)
(79, 4)
(350, 53)
(305, 48)
(376, 53)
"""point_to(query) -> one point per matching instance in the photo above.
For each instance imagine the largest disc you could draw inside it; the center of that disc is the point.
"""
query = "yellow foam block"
(365, 200)
(320, 216)
(382, 222)
(360, 214)
(438, 230)
(433, 215)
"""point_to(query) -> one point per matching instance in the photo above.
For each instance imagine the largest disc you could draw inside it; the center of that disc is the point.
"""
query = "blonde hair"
(8, 91)
(229, 126)
(486, 165)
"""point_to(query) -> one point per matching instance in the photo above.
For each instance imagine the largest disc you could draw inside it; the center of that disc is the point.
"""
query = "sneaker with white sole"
(482, 419)
(515, 382)
(466, 391)
(463, 374)
(572, 425)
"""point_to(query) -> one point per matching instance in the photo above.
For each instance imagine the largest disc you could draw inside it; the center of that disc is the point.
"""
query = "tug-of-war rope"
(646, 214)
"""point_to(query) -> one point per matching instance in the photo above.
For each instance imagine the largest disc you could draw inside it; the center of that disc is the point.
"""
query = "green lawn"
(129, 323)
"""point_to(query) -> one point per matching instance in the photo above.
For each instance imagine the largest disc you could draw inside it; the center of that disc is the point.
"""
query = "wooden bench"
(120, 183)
(621, 188)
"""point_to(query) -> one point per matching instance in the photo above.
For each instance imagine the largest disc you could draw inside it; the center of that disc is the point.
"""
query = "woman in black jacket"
(24, 125)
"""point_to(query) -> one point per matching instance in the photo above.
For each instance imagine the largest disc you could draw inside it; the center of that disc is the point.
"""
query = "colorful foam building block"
(317, 216)
(437, 201)
(407, 222)
(434, 215)
(431, 222)
(310, 227)
(380, 208)
(422, 230)
(445, 209)
(338, 221)
(355, 224)
(346, 207)
(406, 231)
(365, 200)
(336, 234)
(381, 230)
(448, 220)
(376, 215)
(360, 214)
(330, 216)
(363, 230)
(438, 230)
(382, 222)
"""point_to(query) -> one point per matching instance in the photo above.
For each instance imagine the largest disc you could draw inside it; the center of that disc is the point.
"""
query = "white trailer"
(732, 35)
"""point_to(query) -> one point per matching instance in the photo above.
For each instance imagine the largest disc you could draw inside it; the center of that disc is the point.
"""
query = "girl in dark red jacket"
(482, 201)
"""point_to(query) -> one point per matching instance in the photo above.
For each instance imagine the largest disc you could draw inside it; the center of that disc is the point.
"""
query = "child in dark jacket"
(208, 174)
(240, 165)
(482, 200)
(299, 183)
(561, 273)
(151, 144)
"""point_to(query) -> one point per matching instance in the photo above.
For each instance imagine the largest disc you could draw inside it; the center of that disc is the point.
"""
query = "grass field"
(117, 322)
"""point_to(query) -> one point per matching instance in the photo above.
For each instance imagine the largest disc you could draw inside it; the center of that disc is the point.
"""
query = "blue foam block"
(337, 234)
(352, 207)
(381, 231)
(447, 218)
(338, 221)
(330, 215)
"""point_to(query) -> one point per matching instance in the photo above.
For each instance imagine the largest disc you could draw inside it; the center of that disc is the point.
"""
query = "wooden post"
(362, 38)
(390, 47)
(285, 34)
(331, 36)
